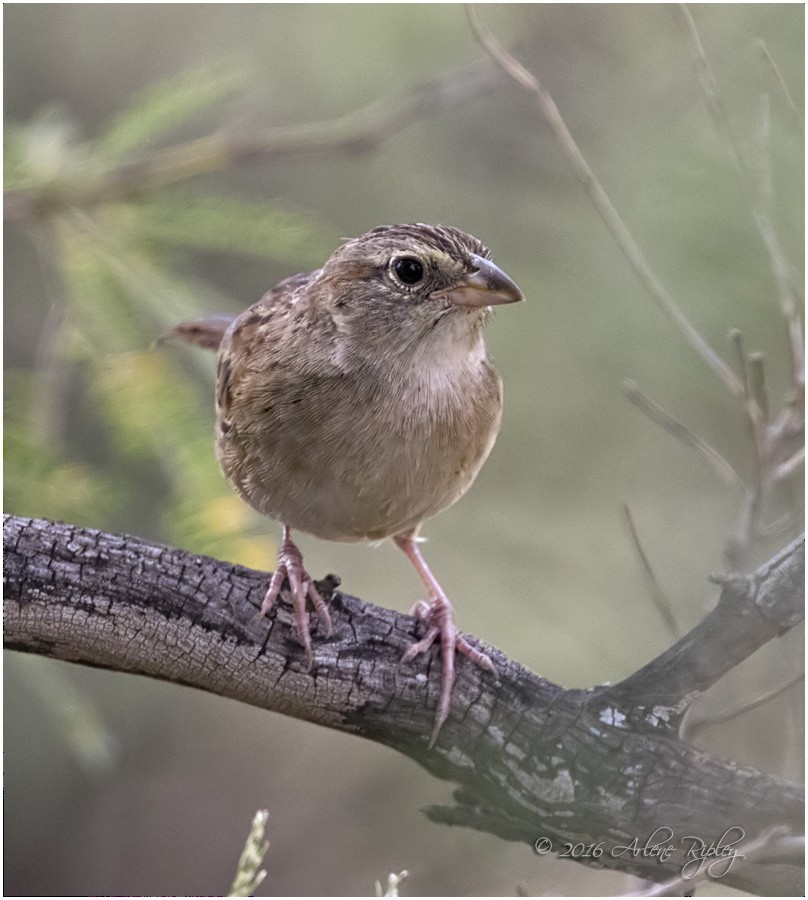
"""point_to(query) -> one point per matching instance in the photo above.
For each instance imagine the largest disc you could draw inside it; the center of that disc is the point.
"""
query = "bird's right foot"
(290, 568)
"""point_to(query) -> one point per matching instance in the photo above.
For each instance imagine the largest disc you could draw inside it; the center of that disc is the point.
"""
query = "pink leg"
(290, 566)
(439, 617)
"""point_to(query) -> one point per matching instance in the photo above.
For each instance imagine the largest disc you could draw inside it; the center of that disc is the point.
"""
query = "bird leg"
(290, 567)
(439, 618)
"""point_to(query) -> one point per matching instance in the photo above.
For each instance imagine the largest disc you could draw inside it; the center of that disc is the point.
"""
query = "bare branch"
(681, 432)
(736, 339)
(712, 95)
(757, 383)
(694, 723)
(659, 597)
(631, 250)
(790, 465)
(759, 195)
(751, 610)
(531, 759)
(357, 132)
(783, 87)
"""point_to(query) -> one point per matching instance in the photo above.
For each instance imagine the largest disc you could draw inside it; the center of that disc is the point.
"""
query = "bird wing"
(256, 350)
(209, 332)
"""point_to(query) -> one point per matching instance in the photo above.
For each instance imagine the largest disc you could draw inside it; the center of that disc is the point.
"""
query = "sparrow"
(357, 401)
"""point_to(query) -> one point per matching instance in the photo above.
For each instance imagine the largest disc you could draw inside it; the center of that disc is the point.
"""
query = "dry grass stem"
(764, 50)
(681, 432)
(773, 442)
(659, 596)
(758, 190)
(618, 228)
(694, 723)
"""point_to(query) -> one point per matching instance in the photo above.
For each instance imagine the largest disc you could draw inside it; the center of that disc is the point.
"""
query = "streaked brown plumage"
(356, 401)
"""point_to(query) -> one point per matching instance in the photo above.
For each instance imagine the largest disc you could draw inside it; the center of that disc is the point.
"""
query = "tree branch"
(531, 759)
(751, 610)
(359, 131)
(774, 437)
(612, 219)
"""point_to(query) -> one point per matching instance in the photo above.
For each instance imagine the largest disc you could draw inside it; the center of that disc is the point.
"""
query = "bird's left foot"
(439, 619)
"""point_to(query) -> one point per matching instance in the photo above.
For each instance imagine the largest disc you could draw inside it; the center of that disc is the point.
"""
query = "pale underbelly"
(373, 495)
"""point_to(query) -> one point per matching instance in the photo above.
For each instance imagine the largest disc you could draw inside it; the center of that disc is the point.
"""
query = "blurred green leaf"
(15, 163)
(232, 225)
(106, 319)
(161, 108)
(156, 419)
(42, 480)
(41, 150)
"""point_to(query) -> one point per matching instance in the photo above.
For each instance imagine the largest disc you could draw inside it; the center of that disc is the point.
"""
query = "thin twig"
(790, 465)
(631, 250)
(759, 195)
(783, 87)
(772, 441)
(751, 368)
(757, 383)
(756, 413)
(780, 266)
(782, 524)
(681, 432)
(736, 339)
(660, 598)
(693, 724)
(712, 95)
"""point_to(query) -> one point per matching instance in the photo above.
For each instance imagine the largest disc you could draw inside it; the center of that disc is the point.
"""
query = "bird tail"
(207, 333)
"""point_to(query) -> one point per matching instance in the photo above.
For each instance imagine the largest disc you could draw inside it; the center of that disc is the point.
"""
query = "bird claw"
(439, 617)
(420, 646)
(302, 588)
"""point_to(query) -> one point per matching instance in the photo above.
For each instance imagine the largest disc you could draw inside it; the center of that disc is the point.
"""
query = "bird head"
(414, 282)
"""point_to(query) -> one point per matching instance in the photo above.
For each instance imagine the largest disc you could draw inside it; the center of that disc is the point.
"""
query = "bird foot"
(302, 589)
(439, 619)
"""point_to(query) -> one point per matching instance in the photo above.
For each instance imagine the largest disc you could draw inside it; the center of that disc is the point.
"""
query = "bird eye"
(408, 270)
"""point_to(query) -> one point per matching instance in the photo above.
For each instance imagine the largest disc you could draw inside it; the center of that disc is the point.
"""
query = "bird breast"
(366, 454)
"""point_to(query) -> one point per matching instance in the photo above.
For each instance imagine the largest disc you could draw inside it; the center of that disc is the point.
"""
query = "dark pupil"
(409, 270)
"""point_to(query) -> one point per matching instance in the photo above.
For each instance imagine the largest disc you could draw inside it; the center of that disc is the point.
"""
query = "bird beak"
(487, 285)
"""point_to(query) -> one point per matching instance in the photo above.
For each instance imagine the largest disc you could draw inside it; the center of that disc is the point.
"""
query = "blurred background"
(121, 785)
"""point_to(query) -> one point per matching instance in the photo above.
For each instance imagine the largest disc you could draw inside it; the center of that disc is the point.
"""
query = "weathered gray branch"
(598, 767)
(752, 610)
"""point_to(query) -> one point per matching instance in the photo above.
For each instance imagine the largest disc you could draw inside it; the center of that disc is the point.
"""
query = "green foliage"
(230, 225)
(42, 151)
(42, 480)
(162, 108)
(117, 285)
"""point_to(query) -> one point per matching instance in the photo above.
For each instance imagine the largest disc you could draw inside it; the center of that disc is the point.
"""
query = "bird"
(357, 401)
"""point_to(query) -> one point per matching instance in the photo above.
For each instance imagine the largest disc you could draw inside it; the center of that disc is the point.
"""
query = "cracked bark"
(603, 766)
